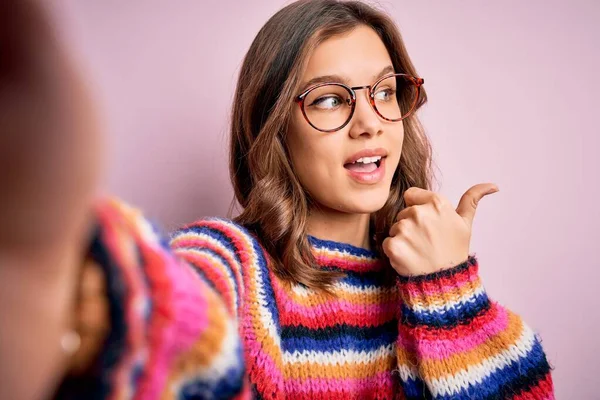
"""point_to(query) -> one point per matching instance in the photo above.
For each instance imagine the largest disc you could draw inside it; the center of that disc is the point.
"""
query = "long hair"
(274, 204)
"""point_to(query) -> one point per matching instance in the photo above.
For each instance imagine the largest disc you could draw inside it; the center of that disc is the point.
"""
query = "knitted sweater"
(203, 317)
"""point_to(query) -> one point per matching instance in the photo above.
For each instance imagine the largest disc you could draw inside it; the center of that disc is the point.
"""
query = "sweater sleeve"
(455, 343)
(174, 332)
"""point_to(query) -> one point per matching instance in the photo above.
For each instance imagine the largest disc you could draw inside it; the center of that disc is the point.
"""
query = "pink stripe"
(213, 272)
(231, 275)
(185, 242)
(287, 305)
(260, 356)
(348, 263)
(257, 359)
(115, 237)
(187, 321)
(324, 310)
(444, 348)
(372, 383)
(263, 368)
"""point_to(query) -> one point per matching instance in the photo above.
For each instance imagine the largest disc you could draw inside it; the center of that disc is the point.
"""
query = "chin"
(367, 203)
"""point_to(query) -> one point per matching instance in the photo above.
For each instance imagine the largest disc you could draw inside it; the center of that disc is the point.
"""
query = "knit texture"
(203, 317)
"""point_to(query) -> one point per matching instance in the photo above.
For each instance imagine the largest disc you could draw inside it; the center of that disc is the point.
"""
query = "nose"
(365, 121)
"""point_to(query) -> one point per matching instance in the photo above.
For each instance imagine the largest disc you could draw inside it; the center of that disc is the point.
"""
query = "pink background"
(513, 90)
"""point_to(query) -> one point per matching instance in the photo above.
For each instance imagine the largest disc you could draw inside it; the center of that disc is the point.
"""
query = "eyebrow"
(340, 79)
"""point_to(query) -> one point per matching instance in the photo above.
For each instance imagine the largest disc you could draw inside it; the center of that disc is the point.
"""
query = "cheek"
(397, 138)
(313, 162)
(314, 156)
(299, 147)
(395, 143)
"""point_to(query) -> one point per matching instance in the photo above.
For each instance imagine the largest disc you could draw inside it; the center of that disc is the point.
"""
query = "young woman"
(343, 277)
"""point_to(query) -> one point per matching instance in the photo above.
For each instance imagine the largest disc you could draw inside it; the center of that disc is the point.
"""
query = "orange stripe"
(357, 370)
(267, 343)
(208, 345)
(435, 369)
(340, 294)
(428, 300)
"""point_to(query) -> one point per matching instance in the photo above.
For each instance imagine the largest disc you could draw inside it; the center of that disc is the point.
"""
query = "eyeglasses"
(328, 107)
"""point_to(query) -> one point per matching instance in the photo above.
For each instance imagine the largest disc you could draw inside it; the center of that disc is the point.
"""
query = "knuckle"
(439, 202)
(385, 244)
(403, 226)
(420, 215)
(388, 247)
(393, 232)
(398, 215)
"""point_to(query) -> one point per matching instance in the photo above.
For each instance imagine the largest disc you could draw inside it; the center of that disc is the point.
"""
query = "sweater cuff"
(443, 299)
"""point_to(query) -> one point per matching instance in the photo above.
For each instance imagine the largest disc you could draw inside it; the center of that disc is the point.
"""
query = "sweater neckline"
(343, 256)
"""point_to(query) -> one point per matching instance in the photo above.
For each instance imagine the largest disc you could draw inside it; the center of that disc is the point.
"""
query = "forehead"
(358, 56)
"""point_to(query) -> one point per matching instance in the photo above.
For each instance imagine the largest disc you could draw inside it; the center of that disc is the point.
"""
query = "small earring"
(70, 342)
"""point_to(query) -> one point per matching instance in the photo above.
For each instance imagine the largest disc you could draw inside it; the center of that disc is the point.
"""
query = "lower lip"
(370, 178)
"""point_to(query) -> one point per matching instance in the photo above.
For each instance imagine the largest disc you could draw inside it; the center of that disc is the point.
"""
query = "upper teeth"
(368, 160)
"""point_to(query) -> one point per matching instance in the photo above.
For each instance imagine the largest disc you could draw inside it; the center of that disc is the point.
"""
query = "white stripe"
(265, 316)
(442, 307)
(408, 372)
(215, 261)
(342, 254)
(302, 291)
(225, 359)
(474, 374)
(338, 357)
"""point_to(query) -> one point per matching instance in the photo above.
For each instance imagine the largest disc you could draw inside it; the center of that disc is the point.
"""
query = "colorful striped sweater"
(203, 317)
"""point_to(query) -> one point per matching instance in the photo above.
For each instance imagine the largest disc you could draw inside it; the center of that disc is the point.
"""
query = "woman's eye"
(327, 102)
(385, 94)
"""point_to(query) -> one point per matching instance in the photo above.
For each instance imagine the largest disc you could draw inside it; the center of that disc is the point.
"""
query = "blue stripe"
(342, 247)
(337, 343)
(198, 268)
(223, 238)
(337, 337)
(229, 385)
(116, 342)
(509, 376)
(219, 237)
(366, 279)
(460, 313)
(266, 283)
(414, 389)
(212, 233)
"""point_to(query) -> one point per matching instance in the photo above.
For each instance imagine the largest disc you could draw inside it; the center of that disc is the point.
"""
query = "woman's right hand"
(49, 160)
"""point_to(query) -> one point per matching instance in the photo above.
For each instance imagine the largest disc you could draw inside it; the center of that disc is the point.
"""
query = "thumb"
(469, 201)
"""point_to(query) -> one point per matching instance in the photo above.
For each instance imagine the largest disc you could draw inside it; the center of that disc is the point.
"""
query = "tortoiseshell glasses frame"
(410, 105)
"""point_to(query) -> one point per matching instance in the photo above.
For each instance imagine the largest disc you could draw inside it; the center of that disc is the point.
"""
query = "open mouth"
(365, 164)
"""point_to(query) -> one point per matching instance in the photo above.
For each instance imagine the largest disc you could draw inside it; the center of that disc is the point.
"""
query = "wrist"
(444, 298)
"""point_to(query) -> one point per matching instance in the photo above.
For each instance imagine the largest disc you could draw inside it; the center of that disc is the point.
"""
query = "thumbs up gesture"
(429, 234)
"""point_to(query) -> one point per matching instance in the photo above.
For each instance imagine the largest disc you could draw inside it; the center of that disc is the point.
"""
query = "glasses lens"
(328, 107)
(395, 97)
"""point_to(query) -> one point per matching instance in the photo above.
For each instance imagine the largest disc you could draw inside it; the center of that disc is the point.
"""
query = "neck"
(341, 227)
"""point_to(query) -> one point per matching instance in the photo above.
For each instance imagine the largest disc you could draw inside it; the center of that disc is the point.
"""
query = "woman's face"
(324, 162)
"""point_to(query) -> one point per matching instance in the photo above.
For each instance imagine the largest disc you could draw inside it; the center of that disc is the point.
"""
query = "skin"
(50, 162)
(430, 234)
(357, 58)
